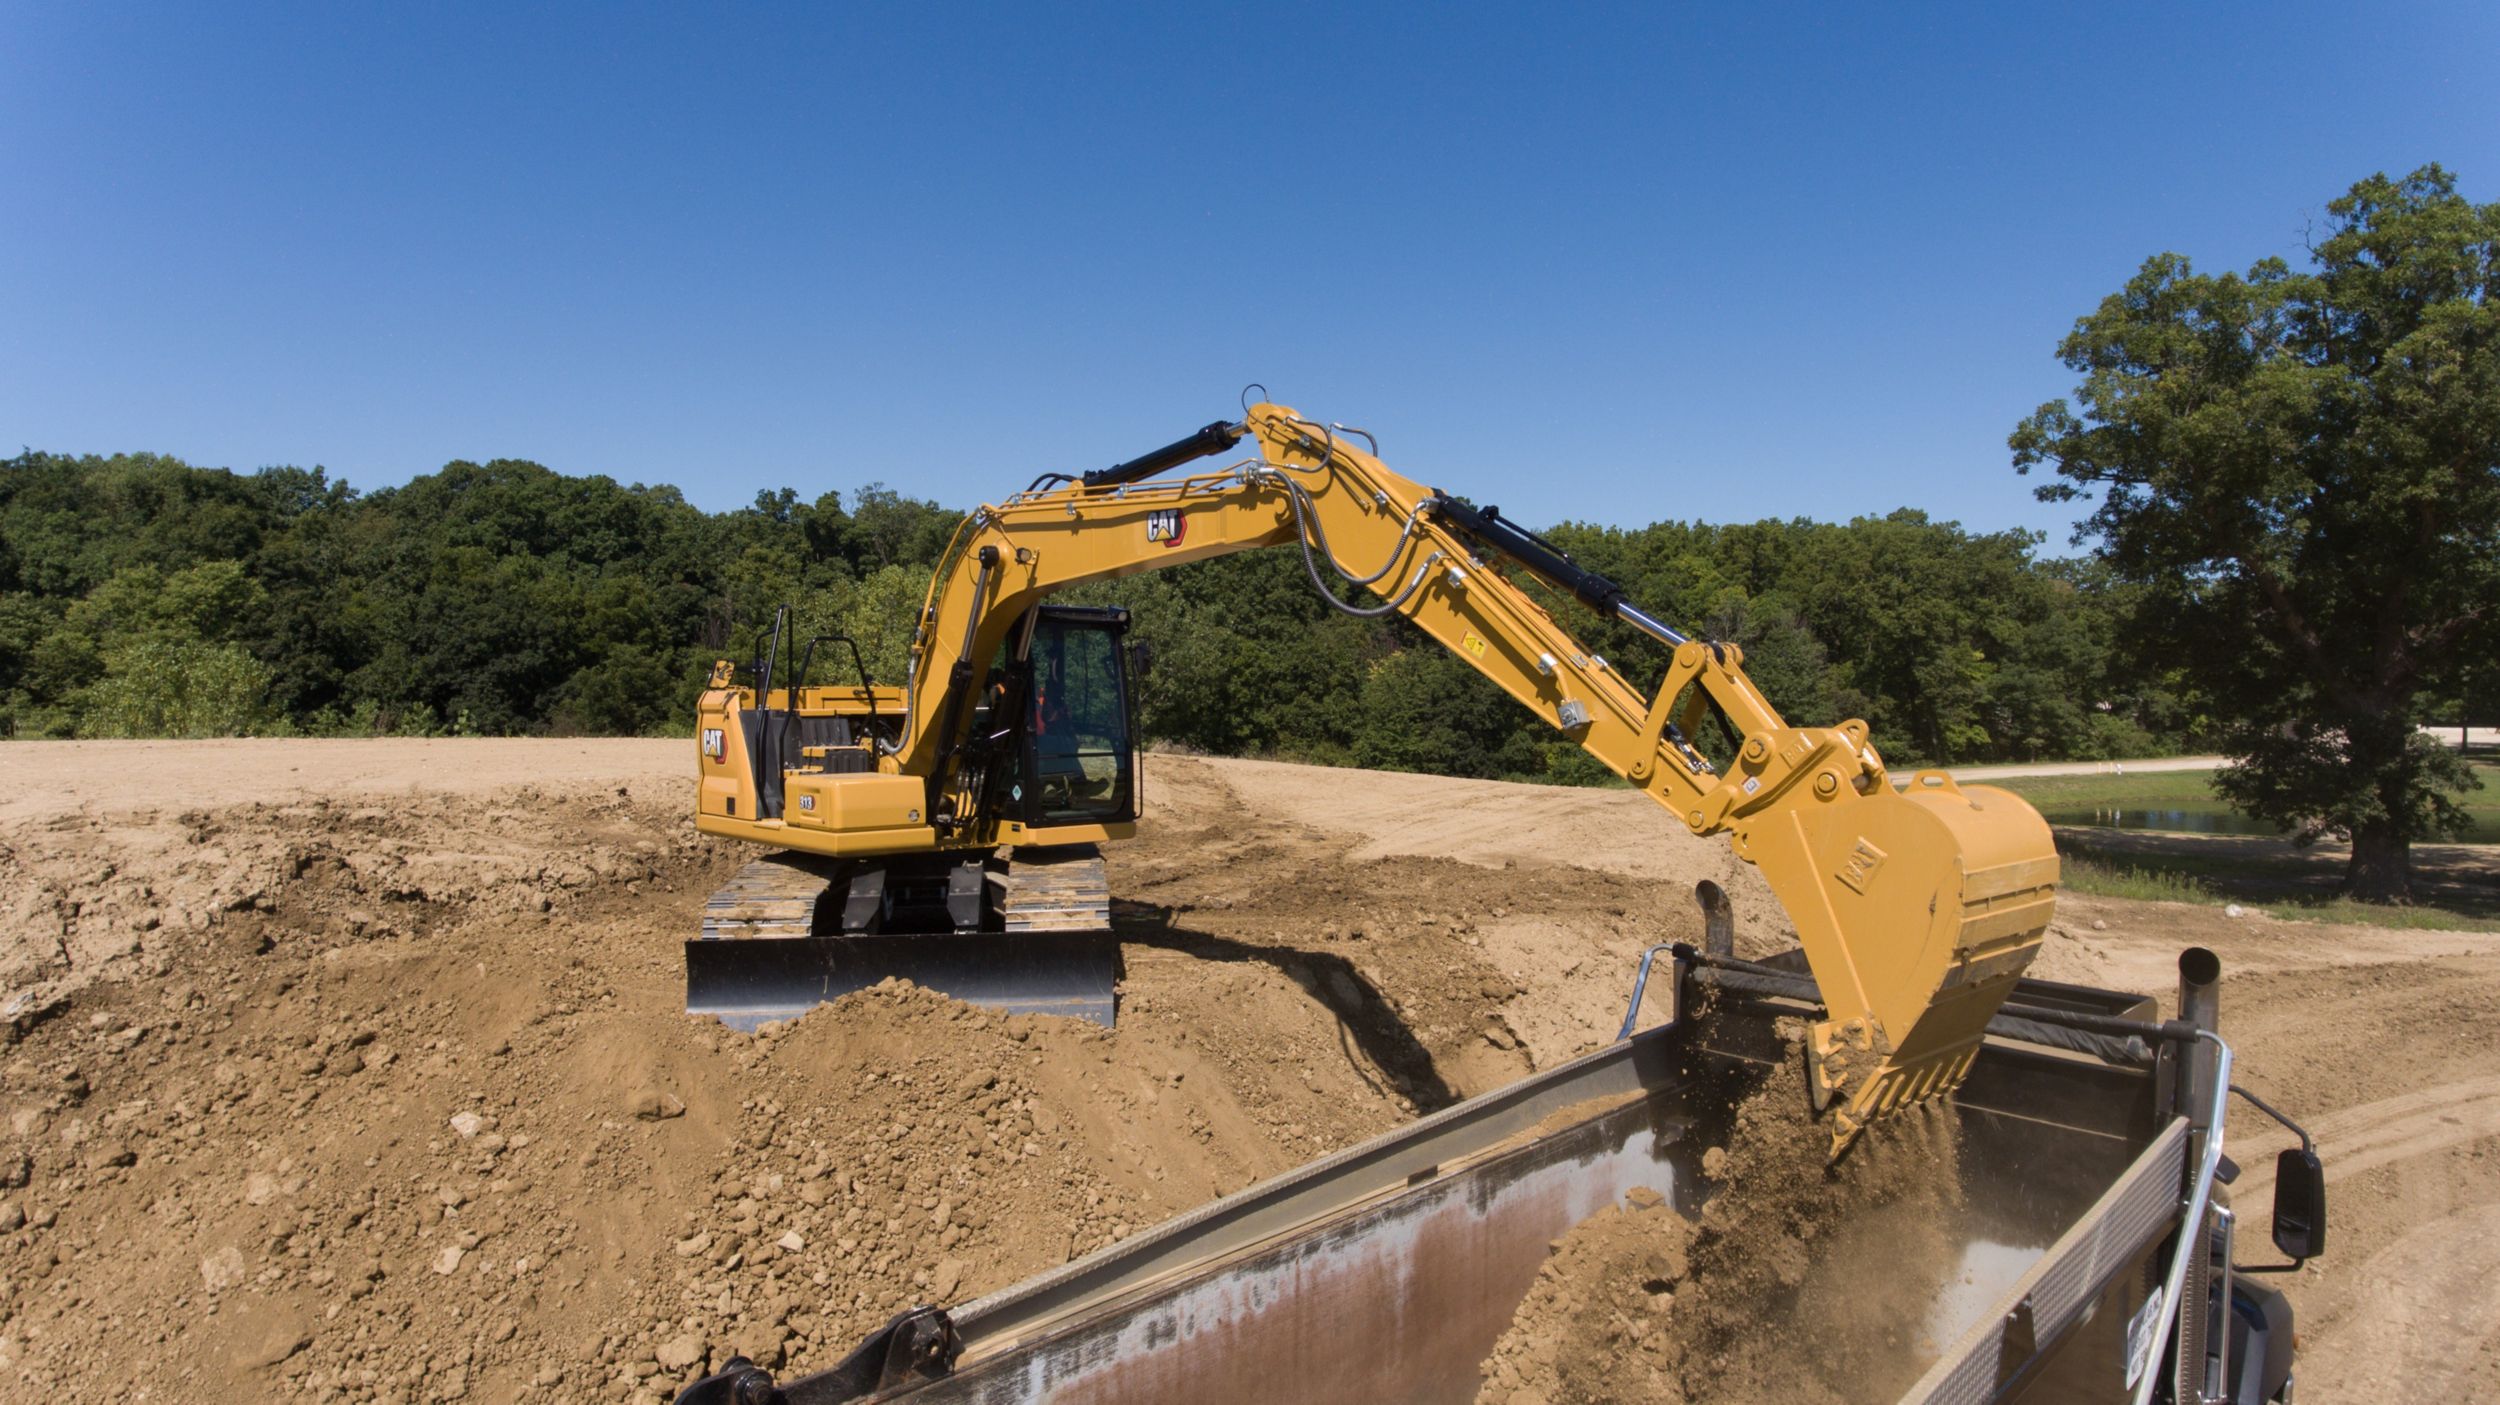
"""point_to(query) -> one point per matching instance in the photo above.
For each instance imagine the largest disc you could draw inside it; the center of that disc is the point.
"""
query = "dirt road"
(352, 1071)
(48, 779)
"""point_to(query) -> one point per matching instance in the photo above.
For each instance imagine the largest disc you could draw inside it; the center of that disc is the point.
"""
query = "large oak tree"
(2306, 468)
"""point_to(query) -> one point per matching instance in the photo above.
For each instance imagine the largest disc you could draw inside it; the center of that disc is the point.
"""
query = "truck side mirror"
(2300, 1203)
(1141, 658)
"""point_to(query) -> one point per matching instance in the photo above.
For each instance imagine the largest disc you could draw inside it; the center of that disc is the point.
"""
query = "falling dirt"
(355, 1071)
(1800, 1282)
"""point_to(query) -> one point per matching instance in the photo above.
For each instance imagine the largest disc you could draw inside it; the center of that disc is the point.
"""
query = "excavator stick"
(1028, 935)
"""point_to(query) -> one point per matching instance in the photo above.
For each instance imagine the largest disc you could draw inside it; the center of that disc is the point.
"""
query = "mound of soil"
(387, 1097)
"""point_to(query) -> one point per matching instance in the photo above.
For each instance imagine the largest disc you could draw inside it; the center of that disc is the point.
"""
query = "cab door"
(1080, 757)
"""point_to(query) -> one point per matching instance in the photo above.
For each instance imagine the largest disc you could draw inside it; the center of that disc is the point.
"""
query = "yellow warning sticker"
(1473, 645)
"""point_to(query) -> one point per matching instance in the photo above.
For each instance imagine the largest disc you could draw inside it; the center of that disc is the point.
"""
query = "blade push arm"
(1916, 910)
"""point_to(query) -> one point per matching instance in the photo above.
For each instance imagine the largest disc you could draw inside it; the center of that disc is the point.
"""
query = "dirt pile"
(388, 1171)
(1801, 1282)
(393, 1101)
(1455, 976)
(120, 895)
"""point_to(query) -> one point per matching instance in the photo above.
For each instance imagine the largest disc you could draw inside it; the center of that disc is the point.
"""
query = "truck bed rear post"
(2200, 1004)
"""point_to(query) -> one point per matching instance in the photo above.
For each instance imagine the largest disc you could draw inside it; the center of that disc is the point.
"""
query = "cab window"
(1078, 727)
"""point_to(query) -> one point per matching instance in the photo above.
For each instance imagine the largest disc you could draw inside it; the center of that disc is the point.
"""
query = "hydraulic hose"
(1307, 526)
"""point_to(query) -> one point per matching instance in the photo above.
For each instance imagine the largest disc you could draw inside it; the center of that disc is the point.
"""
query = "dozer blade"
(774, 946)
(749, 982)
(1920, 910)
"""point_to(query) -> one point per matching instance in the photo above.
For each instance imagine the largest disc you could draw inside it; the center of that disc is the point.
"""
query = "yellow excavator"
(946, 830)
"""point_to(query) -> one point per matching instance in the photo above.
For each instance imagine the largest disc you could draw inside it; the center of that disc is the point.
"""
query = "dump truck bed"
(1388, 1271)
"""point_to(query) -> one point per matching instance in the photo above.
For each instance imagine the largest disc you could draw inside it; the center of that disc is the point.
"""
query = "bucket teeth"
(1854, 1076)
(1844, 1056)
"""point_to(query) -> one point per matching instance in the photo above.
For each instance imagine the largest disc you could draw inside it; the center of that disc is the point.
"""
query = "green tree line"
(142, 596)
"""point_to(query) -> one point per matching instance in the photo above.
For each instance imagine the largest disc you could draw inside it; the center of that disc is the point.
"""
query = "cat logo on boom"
(1165, 525)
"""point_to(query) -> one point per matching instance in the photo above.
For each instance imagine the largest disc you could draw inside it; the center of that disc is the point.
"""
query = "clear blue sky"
(1613, 263)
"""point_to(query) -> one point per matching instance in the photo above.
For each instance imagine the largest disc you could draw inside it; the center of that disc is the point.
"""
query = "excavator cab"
(1079, 758)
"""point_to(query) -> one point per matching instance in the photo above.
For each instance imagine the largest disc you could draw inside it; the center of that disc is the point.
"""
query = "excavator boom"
(1917, 909)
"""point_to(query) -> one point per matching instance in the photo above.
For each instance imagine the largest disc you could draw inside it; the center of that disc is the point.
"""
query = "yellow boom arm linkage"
(1917, 910)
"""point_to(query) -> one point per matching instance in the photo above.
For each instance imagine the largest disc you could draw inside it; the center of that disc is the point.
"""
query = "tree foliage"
(502, 597)
(2301, 469)
(139, 595)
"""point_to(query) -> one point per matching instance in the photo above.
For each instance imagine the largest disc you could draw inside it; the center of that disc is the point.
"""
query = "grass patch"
(2193, 791)
(2216, 869)
(2105, 878)
(2419, 917)
(2289, 887)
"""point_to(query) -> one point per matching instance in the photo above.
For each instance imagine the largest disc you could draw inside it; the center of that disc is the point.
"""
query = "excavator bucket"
(792, 931)
(1918, 910)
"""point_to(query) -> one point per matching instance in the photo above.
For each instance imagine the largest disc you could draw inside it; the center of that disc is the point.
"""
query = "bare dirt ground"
(354, 1070)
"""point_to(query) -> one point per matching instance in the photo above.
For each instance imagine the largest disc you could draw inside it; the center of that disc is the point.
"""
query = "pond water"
(2203, 819)
(2188, 819)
